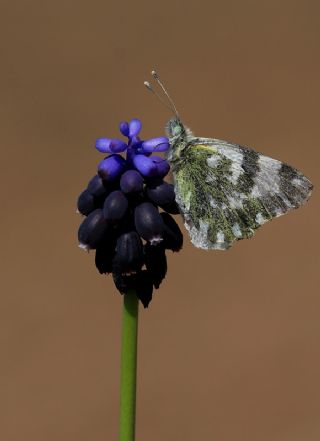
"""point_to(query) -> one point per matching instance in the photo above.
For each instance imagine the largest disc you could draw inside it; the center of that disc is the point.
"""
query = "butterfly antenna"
(149, 87)
(157, 78)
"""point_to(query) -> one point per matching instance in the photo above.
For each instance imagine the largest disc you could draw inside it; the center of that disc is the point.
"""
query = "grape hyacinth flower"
(128, 208)
(128, 221)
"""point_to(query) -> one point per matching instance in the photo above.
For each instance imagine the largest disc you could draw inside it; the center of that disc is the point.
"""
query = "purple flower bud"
(117, 146)
(160, 144)
(163, 166)
(103, 145)
(156, 263)
(134, 127)
(160, 192)
(129, 254)
(131, 181)
(85, 203)
(92, 230)
(96, 186)
(124, 128)
(145, 165)
(173, 238)
(115, 206)
(148, 222)
(111, 167)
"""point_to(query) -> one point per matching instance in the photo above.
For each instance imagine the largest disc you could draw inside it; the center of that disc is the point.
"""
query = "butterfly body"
(226, 191)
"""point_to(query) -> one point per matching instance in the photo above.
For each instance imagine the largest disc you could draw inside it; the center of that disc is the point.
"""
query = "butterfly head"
(175, 129)
(179, 136)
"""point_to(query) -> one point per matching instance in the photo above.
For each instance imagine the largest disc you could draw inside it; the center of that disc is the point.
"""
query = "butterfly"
(226, 191)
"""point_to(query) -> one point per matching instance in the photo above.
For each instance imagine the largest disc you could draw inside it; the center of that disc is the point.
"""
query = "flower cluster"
(123, 222)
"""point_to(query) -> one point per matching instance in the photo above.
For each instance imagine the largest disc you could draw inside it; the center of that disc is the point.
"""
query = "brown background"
(229, 348)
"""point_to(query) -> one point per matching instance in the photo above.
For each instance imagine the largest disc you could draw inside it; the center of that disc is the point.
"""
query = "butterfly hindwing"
(225, 191)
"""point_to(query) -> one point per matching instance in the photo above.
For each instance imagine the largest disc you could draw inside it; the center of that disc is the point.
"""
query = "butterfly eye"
(176, 130)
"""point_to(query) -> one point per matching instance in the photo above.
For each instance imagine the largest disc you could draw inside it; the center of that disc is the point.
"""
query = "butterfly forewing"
(226, 191)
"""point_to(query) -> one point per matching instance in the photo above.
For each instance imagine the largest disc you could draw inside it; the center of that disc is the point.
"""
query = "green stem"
(128, 366)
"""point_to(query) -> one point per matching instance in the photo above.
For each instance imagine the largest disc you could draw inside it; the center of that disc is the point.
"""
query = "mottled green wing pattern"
(225, 191)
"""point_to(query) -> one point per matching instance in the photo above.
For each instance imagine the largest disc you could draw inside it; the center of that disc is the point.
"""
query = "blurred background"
(229, 346)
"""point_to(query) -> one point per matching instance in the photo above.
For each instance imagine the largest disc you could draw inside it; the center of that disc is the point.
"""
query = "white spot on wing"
(236, 230)
(187, 200)
(285, 200)
(220, 237)
(199, 236)
(296, 182)
(260, 219)
(235, 200)
(302, 182)
(210, 179)
(278, 212)
(213, 161)
(213, 202)
(236, 157)
(267, 180)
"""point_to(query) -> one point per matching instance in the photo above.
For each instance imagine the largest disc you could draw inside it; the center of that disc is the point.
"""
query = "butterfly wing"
(226, 191)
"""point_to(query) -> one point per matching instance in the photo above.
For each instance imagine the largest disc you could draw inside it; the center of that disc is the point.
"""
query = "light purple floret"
(138, 152)
(145, 165)
(134, 127)
(103, 145)
(117, 146)
(124, 128)
(160, 144)
(163, 166)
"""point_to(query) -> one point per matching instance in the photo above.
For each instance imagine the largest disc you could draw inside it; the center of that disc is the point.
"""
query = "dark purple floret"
(148, 222)
(129, 254)
(156, 262)
(131, 181)
(85, 203)
(96, 186)
(144, 287)
(141, 282)
(115, 206)
(160, 192)
(105, 253)
(124, 282)
(172, 236)
(92, 230)
(172, 208)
